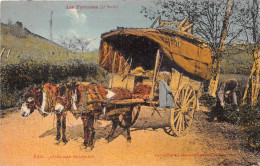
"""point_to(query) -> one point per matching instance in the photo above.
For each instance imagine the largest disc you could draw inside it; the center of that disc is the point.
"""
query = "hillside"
(25, 45)
(237, 59)
(30, 59)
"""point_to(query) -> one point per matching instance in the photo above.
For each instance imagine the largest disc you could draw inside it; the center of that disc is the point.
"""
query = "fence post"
(2, 53)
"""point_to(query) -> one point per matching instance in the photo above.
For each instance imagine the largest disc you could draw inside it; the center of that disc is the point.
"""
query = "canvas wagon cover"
(183, 51)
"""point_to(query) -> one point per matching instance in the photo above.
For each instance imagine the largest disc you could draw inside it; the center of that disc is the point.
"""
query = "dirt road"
(30, 141)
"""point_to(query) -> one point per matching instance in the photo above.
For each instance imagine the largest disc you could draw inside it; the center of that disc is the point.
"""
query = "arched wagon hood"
(180, 50)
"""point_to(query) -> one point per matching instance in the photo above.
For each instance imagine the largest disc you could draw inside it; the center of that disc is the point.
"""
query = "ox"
(87, 99)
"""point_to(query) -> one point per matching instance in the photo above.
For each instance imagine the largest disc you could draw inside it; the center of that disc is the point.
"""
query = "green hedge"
(16, 77)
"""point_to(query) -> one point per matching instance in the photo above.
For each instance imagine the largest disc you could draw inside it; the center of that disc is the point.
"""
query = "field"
(237, 59)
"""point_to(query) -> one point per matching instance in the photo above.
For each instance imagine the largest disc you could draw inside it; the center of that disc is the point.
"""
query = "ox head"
(33, 98)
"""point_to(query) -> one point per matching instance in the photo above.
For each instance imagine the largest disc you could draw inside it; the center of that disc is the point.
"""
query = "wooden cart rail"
(118, 103)
(128, 102)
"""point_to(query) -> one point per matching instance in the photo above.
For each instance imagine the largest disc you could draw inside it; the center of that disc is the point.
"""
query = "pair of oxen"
(84, 99)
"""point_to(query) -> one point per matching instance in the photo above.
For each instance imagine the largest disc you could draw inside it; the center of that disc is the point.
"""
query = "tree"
(75, 43)
(206, 16)
(214, 21)
(218, 52)
(249, 115)
(249, 20)
(82, 43)
(67, 43)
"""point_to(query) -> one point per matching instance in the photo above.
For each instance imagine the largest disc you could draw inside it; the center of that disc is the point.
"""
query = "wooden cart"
(146, 56)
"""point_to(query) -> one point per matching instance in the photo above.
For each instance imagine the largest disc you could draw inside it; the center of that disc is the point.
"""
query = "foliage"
(8, 99)
(237, 59)
(207, 100)
(19, 76)
(250, 125)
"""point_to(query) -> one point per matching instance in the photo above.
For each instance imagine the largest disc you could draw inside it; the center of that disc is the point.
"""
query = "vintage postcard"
(130, 82)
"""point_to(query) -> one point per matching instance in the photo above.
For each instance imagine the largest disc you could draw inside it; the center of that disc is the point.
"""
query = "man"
(166, 99)
(226, 88)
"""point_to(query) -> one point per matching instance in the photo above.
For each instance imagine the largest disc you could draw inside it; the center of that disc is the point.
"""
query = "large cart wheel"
(135, 114)
(182, 115)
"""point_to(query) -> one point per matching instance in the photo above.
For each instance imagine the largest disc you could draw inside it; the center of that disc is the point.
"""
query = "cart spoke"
(179, 129)
(181, 119)
(177, 117)
(168, 129)
(190, 100)
(187, 93)
(182, 96)
(178, 123)
(188, 96)
(177, 110)
(182, 93)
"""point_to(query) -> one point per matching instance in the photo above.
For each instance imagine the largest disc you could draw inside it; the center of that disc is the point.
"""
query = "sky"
(88, 19)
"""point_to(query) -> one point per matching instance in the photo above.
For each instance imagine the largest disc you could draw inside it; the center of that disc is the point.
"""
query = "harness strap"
(90, 92)
(50, 97)
(81, 111)
(98, 93)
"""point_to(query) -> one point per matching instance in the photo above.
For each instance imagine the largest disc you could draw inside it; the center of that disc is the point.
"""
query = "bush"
(16, 77)
(18, 30)
(250, 125)
(8, 100)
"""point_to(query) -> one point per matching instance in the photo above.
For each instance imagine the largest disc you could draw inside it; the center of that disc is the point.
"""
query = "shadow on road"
(75, 132)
